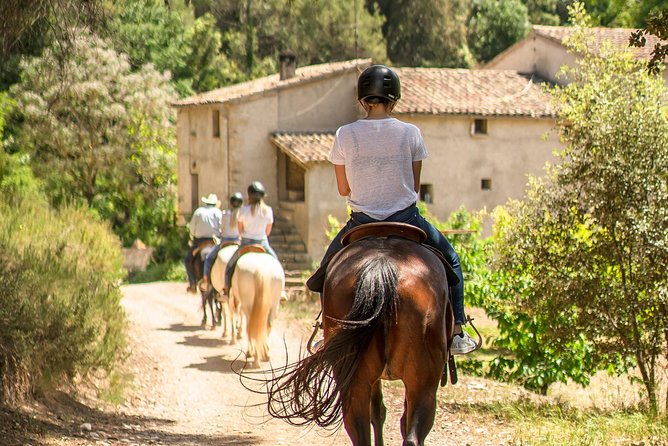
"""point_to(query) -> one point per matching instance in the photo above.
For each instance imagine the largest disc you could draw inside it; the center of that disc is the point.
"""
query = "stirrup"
(317, 325)
(469, 320)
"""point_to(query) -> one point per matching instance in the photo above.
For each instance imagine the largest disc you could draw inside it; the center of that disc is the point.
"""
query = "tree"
(101, 134)
(426, 33)
(496, 25)
(542, 12)
(27, 26)
(256, 32)
(657, 25)
(588, 249)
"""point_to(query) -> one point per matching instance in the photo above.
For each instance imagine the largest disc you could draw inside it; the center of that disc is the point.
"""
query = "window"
(427, 193)
(479, 127)
(486, 184)
(216, 123)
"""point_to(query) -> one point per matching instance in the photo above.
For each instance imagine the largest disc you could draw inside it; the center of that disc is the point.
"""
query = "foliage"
(585, 255)
(99, 134)
(59, 297)
(542, 12)
(171, 271)
(558, 424)
(657, 25)
(495, 26)
(254, 33)
(428, 33)
(174, 41)
(28, 26)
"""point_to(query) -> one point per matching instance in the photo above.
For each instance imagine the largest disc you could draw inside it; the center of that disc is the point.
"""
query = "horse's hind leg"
(419, 410)
(378, 413)
(356, 418)
(203, 323)
(209, 298)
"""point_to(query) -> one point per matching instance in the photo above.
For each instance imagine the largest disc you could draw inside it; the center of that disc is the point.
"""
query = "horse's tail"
(316, 388)
(257, 321)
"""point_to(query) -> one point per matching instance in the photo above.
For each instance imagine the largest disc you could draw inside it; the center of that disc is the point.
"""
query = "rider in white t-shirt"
(377, 161)
(229, 232)
(255, 222)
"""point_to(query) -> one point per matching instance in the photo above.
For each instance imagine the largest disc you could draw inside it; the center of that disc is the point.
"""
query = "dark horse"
(199, 256)
(386, 315)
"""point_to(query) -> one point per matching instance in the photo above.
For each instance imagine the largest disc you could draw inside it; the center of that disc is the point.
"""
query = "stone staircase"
(291, 251)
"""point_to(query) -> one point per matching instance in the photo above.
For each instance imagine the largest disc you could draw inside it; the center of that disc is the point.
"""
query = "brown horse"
(208, 297)
(386, 315)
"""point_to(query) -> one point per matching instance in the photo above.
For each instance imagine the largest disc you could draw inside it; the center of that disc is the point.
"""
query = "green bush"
(60, 312)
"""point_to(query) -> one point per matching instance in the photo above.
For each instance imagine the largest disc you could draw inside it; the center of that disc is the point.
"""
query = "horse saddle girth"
(380, 230)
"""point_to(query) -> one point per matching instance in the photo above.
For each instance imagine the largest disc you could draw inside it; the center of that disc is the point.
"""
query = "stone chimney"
(288, 61)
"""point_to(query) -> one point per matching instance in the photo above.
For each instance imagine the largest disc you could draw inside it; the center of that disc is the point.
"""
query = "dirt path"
(184, 381)
(183, 391)
(183, 374)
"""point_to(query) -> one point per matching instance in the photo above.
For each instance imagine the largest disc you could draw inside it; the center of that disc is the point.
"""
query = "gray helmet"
(256, 189)
(236, 199)
(378, 81)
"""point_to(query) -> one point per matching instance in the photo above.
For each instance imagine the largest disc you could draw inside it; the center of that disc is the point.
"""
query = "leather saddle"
(251, 248)
(380, 230)
(203, 245)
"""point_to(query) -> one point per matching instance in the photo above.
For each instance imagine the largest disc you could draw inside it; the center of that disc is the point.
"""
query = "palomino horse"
(256, 289)
(386, 316)
(228, 320)
(199, 256)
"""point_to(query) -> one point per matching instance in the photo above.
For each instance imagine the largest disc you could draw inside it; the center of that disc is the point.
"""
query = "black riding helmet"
(256, 190)
(378, 81)
(236, 199)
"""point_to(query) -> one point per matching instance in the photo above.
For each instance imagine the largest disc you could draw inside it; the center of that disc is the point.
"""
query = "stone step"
(287, 247)
(284, 238)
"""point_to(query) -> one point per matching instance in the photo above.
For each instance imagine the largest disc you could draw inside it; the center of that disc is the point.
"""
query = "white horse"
(257, 285)
(229, 321)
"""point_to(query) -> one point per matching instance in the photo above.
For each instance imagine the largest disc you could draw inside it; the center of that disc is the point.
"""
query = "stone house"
(484, 130)
(543, 51)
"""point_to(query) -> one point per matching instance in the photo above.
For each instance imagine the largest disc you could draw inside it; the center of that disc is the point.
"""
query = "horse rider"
(255, 222)
(377, 161)
(229, 232)
(204, 225)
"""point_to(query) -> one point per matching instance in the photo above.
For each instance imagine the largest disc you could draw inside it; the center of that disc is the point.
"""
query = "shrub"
(60, 313)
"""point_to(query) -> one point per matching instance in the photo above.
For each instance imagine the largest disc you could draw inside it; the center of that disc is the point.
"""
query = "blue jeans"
(411, 215)
(232, 263)
(211, 257)
(189, 259)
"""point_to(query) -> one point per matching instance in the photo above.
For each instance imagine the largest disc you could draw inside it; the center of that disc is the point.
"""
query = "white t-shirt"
(255, 226)
(229, 227)
(378, 156)
(205, 222)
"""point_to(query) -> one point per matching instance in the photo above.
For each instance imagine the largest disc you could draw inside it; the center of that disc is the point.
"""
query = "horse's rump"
(218, 267)
(256, 287)
(386, 315)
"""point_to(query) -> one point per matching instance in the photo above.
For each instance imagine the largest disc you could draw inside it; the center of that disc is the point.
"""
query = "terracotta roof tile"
(439, 91)
(618, 37)
(272, 82)
(305, 147)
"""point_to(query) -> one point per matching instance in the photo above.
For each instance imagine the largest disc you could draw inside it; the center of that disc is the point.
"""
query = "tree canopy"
(99, 133)
(588, 249)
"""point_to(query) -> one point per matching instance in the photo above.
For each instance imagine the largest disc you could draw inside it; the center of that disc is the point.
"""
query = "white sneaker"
(462, 344)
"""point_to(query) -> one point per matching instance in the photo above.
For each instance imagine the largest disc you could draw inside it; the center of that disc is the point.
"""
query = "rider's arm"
(341, 180)
(417, 169)
(268, 230)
